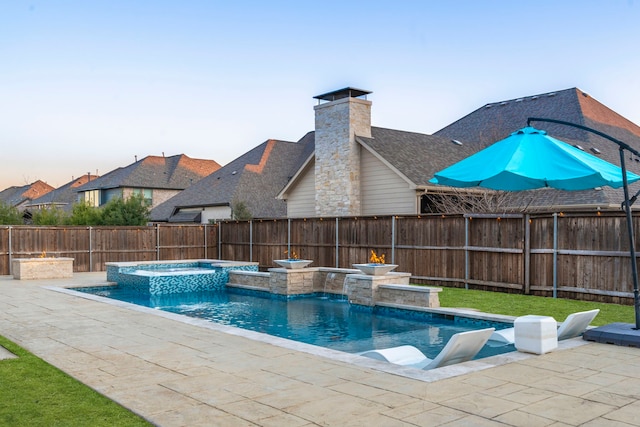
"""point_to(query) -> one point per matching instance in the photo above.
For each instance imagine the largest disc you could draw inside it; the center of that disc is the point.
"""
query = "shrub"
(9, 215)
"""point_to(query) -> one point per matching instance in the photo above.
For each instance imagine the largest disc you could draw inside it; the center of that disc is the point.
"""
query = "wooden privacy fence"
(92, 247)
(572, 255)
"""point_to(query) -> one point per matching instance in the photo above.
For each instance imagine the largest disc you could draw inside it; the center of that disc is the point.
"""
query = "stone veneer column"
(337, 155)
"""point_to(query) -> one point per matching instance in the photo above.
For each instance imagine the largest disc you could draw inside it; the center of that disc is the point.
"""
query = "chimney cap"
(347, 92)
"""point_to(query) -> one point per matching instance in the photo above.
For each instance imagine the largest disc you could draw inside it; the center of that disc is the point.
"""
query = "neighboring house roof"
(496, 121)
(415, 156)
(253, 178)
(63, 197)
(257, 177)
(157, 172)
(16, 196)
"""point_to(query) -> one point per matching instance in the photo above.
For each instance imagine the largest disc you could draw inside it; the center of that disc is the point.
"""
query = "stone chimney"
(344, 114)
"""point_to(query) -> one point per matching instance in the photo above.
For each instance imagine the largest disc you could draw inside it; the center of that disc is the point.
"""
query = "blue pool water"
(330, 323)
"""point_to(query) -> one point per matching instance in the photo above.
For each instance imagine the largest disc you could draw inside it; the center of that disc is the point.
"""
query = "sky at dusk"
(86, 86)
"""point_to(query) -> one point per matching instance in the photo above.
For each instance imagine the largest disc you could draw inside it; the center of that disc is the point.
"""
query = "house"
(20, 197)
(495, 121)
(156, 178)
(358, 169)
(252, 179)
(347, 167)
(62, 197)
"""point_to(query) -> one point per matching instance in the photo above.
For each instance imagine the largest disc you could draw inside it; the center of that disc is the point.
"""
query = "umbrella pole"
(632, 245)
(627, 204)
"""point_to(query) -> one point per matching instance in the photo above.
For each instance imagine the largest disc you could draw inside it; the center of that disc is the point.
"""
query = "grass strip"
(520, 305)
(34, 393)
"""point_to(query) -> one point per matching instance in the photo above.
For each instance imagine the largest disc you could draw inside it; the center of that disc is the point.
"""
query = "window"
(111, 194)
(91, 197)
(147, 194)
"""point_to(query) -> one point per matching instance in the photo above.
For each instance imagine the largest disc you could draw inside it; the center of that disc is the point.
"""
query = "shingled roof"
(171, 173)
(64, 196)
(495, 121)
(16, 196)
(253, 178)
(416, 156)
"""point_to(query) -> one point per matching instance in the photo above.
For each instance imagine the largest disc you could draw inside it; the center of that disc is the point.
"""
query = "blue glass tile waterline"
(317, 320)
(175, 277)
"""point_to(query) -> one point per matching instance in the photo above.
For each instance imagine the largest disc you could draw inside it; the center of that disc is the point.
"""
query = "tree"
(240, 211)
(132, 211)
(48, 216)
(84, 214)
(9, 215)
(456, 201)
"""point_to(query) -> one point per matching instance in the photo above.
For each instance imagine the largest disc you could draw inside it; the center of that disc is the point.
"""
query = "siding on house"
(383, 191)
(302, 197)
(214, 213)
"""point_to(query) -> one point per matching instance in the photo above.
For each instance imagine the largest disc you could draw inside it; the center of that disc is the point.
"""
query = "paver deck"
(176, 371)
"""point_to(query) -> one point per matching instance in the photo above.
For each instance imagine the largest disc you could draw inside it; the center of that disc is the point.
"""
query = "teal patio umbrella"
(529, 159)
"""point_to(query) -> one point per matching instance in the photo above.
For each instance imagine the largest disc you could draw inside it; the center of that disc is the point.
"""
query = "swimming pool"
(317, 320)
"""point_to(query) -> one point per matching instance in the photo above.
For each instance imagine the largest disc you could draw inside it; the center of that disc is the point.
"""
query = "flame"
(375, 259)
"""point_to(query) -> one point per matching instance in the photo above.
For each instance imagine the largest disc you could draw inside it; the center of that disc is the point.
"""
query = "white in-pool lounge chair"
(462, 347)
(575, 324)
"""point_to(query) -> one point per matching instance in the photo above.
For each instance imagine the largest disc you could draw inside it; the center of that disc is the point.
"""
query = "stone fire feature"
(391, 290)
(42, 268)
(284, 281)
(363, 288)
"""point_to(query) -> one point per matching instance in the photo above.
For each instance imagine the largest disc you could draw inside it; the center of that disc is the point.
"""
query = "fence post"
(205, 241)
(337, 245)
(157, 241)
(10, 253)
(289, 236)
(393, 239)
(555, 255)
(466, 252)
(250, 241)
(90, 250)
(219, 239)
(527, 255)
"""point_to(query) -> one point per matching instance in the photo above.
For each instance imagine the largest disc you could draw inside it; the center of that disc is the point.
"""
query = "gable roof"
(415, 156)
(253, 178)
(156, 172)
(495, 121)
(15, 196)
(64, 196)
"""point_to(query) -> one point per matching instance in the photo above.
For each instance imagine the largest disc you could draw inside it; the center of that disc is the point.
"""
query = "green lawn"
(34, 393)
(520, 305)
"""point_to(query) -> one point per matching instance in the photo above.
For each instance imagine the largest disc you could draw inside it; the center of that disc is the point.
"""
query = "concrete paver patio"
(176, 371)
